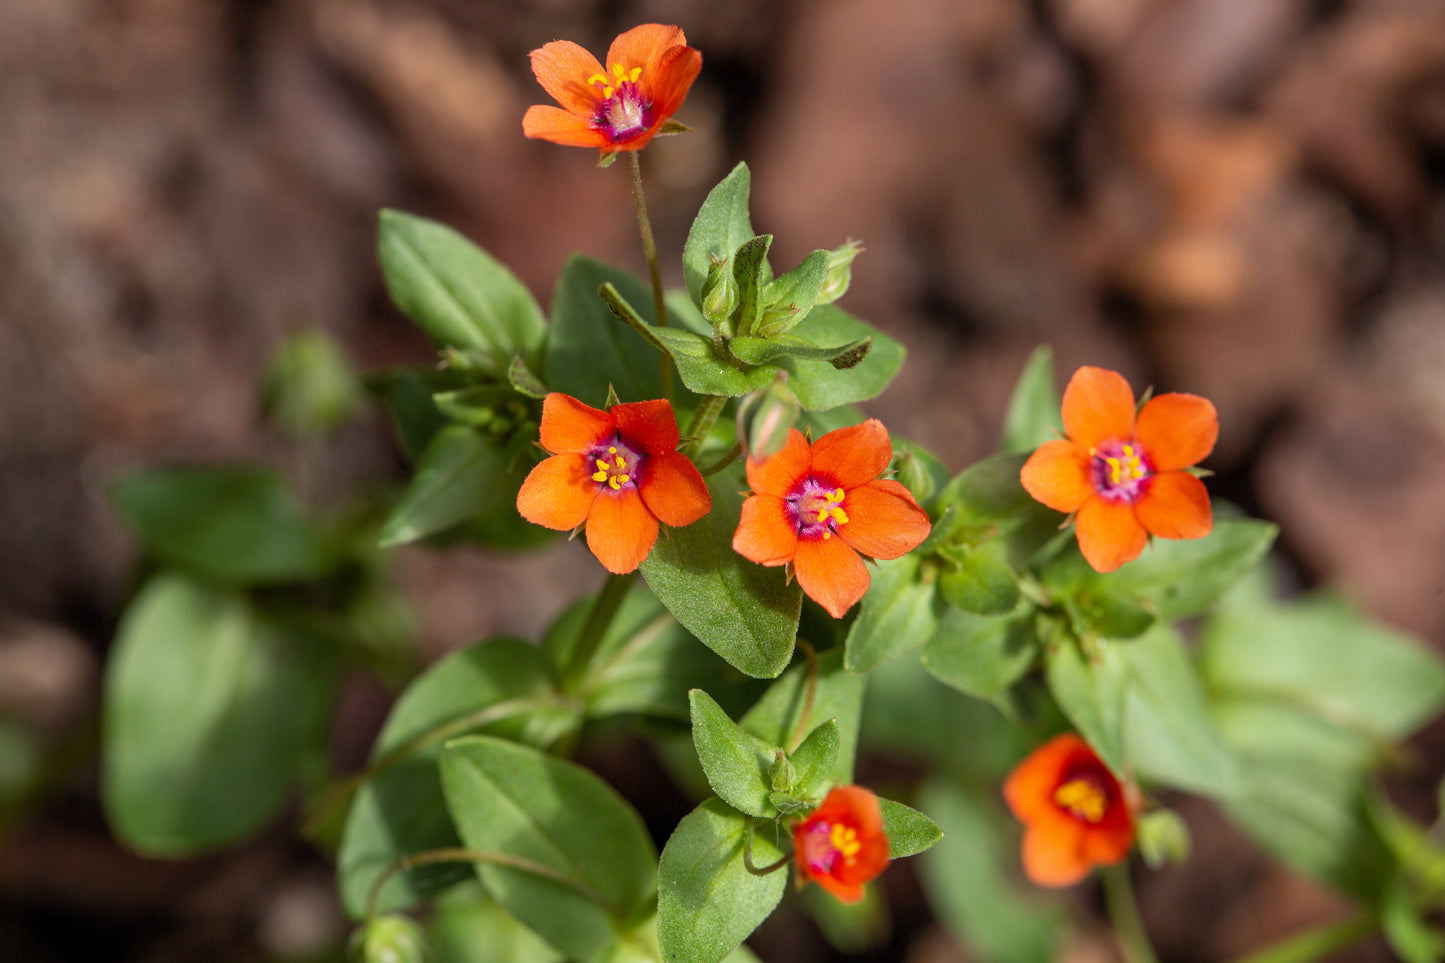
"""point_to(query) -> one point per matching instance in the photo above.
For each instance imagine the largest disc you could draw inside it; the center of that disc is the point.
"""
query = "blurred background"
(1243, 199)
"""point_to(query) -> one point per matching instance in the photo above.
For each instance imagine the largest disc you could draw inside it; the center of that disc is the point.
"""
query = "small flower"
(1123, 476)
(842, 845)
(805, 495)
(1076, 814)
(618, 471)
(620, 106)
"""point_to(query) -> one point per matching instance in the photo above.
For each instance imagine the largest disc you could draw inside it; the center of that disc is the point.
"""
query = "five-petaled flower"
(804, 496)
(1076, 814)
(842, 845)
(1124, 476)
(618, 471)
(617, 106)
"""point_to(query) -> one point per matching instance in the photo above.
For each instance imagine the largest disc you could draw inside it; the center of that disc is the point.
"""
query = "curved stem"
(1124, 914)
(702, 421)
(761, 870)
(649, 250)
(1315, 944)
(599, 619)
(457, 854)
(727, 459)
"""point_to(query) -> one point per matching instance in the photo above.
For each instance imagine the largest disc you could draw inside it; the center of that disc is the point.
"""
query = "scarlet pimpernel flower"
(1122, 475)
(618, 471)
(620, 105)
(842, 845)
(1076, 813)
(818, 506)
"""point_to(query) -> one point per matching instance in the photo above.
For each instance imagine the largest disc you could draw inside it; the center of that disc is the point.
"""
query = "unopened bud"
(389, 939)
(719, 293)
(1163, 838)
(914, 474)
(765, 416)
(783, 775)
(840, 271)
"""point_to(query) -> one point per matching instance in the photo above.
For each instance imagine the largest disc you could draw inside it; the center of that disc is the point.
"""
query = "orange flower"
(842, 845)
(618, 471)
(1075, 813)
(1124, 476)
(804, 495)
(617, 107)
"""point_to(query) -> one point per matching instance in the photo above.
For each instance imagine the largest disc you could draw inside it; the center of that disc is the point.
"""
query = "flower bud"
(765, 416)
(840, 271)
(1163, 838)
(389, 939)
(719, 293)
(914, 474)
(783, 775)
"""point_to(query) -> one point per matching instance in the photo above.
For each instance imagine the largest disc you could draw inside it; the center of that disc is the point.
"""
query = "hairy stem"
(649, 250)
(1124, 914)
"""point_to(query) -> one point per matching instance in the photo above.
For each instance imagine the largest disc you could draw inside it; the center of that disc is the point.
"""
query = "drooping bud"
(719, 293)
(388, 939)
(765, 416)
(914, 474)
(840, 271)
(1163, 838)
(782, 775)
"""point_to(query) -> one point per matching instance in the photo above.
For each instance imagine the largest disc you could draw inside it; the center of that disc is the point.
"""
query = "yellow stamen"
(600, 476)
(620, 76)
(845, 841)
(1082, 798)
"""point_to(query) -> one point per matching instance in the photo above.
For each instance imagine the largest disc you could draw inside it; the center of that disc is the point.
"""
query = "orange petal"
(845, 892)
(1098, 406)
(1057, 474)
(643, 46)
(558, 493)
(556, 125)
(620, 530)
(1030, 788)
(569, 425)
(676, 71)
(1053, 852)
(831, 573)
(648, 425)
(764, 535)
(672, 489)
(854, 456)
(1175, 505)
(563, 69)
(1109, 534)
(1177, 430)
(777, 474)
(1111, 840)
(883, 519)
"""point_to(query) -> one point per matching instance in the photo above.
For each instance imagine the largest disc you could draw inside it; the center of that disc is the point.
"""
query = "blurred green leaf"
(597, 869)
(310, 389)
(1091, 693)
(1181, 578)
(707, 901)
(238, 526)
(899, 613)
(979, 580)
(209, 713)
(989, 503)
(787, 710)
(1033, 415)
(980, 655)
(590, 349)
(467, 926)
(909, 831)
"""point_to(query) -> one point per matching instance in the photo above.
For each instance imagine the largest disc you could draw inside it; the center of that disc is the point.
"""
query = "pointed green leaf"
(589, 348)
(721, 227)
(456, 292)
(909, 831)
(989, 502)
(1091, 693)
(815, 761)
(1184, 578)
(1033, 415)
(818, 384)
(785, 714)
(787, 300)
(707, 901)
(899, 613)
(736, 763)
(759, 350)
(750, 270)
(595, 866)
(523, 380)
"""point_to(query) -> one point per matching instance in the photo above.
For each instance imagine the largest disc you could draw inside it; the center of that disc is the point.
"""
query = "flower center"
(826, 844)
(1120, 471)
(616, 465)
(624, 111)
(815, 509)
(1083, 798)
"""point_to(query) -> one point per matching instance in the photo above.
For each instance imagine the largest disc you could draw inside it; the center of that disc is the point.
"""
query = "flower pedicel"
(617, 106)
(1123, 477)
(617, 470)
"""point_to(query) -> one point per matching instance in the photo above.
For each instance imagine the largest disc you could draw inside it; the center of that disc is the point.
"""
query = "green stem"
(1315, 944)
(755, 869)
(457, 854)
(702, 421)
(809, 697)
(649, 250)
(727, 459)
(599, 619)
(1124, 914)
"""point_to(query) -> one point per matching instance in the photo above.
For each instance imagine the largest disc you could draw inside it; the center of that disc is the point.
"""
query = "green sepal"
(786, 300)
(761, 350)
(751, 271)
(523, 380)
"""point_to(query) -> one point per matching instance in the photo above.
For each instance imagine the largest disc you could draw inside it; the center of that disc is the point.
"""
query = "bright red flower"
(842, 845)
(617, 470)
(1076, 814)
(620, 106)
(1123, 476)
(804, 495)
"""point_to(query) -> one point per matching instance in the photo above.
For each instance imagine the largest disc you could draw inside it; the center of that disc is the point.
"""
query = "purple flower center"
(814, 509)
(825, 844)
(1120, 471)
(615, 465)
(1084, 793)
(625, 113)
